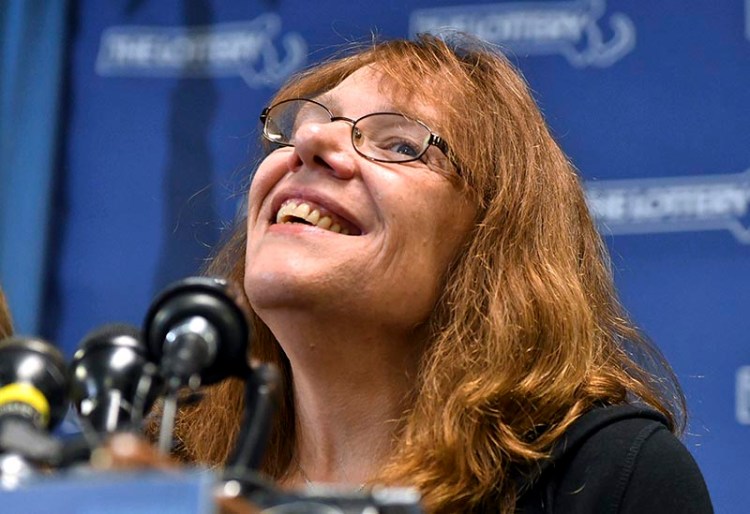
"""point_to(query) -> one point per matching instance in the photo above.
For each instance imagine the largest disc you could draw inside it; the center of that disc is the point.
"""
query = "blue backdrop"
(651, 100)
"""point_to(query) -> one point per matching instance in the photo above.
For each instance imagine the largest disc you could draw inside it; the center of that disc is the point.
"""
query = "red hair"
(6, 324)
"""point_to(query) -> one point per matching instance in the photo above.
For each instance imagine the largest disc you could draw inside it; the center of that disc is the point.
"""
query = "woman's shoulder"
(620, 459)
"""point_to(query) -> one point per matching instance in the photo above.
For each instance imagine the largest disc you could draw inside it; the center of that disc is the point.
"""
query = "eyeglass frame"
(433, 140)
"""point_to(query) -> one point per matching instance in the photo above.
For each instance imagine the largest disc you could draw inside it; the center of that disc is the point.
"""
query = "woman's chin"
(284, 288)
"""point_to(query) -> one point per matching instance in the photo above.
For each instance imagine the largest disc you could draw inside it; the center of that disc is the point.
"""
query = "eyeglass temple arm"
(440, 143)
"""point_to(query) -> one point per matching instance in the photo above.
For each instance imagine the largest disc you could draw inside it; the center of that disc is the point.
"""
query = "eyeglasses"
(380, 136)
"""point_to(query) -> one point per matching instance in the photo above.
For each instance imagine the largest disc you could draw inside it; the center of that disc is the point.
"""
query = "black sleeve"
(664, 479)
(634, 466)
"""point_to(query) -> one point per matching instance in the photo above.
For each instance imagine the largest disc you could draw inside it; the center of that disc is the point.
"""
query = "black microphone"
(33, 400)
(195, 330)
(198, 334)
(112, 380)
(33, 382)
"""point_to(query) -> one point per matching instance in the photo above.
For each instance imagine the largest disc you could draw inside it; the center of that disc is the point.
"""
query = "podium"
(114, 492)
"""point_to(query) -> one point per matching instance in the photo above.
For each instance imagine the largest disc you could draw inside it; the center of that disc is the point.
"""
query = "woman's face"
(405, 222)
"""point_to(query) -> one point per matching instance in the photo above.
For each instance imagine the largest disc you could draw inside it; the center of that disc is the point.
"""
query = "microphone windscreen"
(106, 370)
(33, 381)
(214, 300)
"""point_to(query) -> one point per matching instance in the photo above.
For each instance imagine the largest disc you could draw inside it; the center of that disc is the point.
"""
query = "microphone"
(198, 334)
(33, 382)
(196, 331)
(112, 380)
(33, 400)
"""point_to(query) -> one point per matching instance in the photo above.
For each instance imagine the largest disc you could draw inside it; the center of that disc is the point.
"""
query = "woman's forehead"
(386, 95)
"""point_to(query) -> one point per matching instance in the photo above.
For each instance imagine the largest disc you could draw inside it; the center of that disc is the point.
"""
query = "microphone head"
(105, 371)
(33, 381)
(212, 299)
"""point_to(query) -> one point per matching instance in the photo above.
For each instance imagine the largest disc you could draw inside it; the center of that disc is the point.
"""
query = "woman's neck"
(344, 437)
(352, 386)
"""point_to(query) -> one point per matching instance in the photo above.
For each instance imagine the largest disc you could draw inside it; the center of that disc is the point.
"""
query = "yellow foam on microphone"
(20, 397)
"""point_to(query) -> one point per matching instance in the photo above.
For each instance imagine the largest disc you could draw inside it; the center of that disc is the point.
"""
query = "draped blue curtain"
(33, 35)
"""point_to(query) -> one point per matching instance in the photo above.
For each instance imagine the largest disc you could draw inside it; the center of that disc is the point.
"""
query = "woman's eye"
(404, 148)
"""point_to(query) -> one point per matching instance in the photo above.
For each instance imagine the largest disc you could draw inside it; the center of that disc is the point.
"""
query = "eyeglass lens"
(388, 137)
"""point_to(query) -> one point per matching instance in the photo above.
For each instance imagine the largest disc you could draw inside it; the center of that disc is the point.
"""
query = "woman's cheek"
(270, 171)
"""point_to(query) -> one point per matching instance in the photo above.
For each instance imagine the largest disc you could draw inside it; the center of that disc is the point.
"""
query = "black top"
(618, 460)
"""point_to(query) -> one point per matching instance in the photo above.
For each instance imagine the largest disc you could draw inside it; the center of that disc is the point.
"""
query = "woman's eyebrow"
(331, 102)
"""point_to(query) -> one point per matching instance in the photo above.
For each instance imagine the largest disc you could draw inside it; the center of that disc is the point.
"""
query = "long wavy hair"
(528, 333)
(6, 325)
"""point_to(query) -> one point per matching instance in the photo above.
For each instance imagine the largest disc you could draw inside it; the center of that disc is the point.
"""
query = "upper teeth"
(297, 209)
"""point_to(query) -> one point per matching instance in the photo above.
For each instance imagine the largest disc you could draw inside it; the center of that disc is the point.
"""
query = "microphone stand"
(261, 398)
(168, 416)
(241, 478)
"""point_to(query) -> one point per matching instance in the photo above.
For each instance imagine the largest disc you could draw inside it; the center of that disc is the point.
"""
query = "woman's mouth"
(309, 213)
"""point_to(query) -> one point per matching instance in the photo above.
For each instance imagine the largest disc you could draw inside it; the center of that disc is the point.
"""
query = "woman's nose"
(325, 146)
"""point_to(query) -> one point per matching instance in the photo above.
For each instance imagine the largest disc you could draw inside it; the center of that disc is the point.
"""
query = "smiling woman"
(422, 267)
